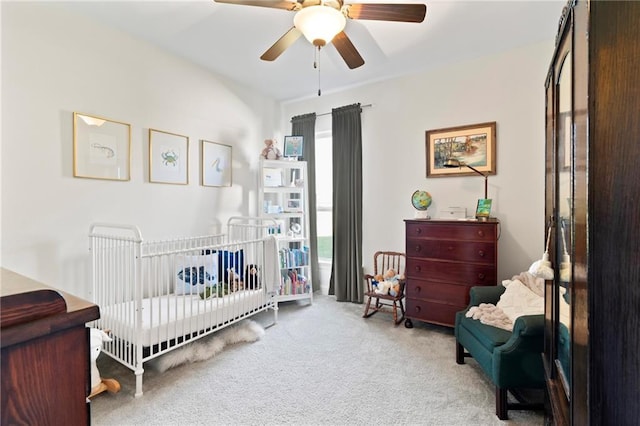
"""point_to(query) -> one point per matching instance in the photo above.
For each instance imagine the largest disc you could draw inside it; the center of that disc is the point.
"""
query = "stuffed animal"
(270, 151)
(383, 287)
(233, 280)
(251, 277)
(390, 275)
(388, 283)
(99, 384)
(96, 337)
(395, 289)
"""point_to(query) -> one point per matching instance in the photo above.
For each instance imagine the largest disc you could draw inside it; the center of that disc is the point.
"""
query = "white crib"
(155, 296)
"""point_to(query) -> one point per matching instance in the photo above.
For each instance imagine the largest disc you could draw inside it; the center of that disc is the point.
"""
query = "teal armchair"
(512, 360)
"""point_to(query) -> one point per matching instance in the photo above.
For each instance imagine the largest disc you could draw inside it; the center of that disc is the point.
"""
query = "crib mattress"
(172, 316)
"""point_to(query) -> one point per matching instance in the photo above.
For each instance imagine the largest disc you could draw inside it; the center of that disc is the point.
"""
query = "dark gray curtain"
(305, 126)
(346, 270)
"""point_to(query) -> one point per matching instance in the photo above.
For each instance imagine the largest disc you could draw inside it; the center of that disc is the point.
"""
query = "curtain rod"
(328, 113)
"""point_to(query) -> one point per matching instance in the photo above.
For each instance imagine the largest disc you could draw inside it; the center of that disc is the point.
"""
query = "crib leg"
(139, 373)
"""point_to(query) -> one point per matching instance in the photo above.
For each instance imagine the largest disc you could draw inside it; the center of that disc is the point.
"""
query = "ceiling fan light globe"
(319, 24)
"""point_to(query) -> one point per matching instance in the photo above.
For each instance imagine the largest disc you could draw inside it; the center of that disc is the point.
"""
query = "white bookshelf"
(283, 197)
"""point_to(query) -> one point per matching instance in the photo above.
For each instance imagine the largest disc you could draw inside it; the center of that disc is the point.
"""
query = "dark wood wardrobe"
(592, 307)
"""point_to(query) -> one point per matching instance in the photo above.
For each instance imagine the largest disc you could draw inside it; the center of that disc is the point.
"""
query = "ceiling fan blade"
(387, 12)
(347, 50)
(281, 45)
(276, 4)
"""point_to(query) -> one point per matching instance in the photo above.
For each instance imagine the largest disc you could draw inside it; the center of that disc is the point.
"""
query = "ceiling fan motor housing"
(319, 24)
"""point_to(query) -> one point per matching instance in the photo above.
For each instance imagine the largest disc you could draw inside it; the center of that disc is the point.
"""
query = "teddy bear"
(388, 283)
(270, 151)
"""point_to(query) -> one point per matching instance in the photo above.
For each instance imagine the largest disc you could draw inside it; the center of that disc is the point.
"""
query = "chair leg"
(398, 304)
(459, 353)
(367, 314)
(501, 403)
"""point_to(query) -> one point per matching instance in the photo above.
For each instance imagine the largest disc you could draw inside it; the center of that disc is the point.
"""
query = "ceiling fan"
(323, 22)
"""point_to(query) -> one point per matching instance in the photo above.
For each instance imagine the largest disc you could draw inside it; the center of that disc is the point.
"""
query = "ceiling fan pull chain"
(315, 58)
(316, 64)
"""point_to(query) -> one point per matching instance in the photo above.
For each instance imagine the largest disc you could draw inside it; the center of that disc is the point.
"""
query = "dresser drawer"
(452, 272)
(481, 252)
(439, 313)
(451, 231)
(455, 294)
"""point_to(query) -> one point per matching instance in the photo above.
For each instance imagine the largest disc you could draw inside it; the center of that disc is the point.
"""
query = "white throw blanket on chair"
(524, 295)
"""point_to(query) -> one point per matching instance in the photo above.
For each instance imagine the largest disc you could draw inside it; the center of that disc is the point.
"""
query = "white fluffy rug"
(208, 347)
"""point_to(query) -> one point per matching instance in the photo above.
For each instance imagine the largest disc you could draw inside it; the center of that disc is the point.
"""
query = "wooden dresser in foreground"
(45, 353)
(445, 258)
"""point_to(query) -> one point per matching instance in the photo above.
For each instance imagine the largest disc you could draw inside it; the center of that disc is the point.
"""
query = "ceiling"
(229, 39)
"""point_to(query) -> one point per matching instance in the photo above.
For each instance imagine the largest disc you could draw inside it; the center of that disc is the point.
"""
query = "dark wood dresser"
(46, 374)
(445, 258)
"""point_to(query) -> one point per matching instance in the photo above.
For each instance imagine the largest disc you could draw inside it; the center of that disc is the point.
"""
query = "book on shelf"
(293, 283)
(294, 257)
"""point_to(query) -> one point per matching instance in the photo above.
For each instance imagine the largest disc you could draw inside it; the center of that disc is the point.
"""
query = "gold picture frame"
(216, 164)
(168, 157)
(473, 145)
(101, 148)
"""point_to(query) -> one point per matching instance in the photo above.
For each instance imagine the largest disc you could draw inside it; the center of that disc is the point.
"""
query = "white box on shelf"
(453, 213)
(272, 177)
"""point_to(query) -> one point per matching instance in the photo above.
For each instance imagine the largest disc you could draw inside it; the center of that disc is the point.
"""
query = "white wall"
(55, 63)
(507, 88)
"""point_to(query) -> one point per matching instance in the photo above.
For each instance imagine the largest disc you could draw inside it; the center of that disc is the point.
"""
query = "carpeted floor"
(321, 364)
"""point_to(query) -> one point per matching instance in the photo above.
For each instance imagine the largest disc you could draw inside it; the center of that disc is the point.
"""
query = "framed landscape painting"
(473, 145)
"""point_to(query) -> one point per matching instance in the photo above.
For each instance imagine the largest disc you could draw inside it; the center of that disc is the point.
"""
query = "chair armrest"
(485, 294)
(518, 363)
(529, 325)
(367, 279)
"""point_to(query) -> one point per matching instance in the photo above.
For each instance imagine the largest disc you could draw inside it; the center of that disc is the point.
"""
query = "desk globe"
(421, 200)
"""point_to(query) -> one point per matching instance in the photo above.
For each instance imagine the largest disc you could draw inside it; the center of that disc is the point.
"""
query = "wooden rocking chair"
(382, 262)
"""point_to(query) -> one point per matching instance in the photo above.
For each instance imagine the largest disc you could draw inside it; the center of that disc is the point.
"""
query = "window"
(324, 196)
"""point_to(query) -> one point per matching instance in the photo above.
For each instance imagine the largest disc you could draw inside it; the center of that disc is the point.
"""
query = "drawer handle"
(418, 248)
(418, 230)
(481, 276)
(481, 253)
(418, 268)
(450, 248)
(418, 289)
(481, 233)
(417, 308)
